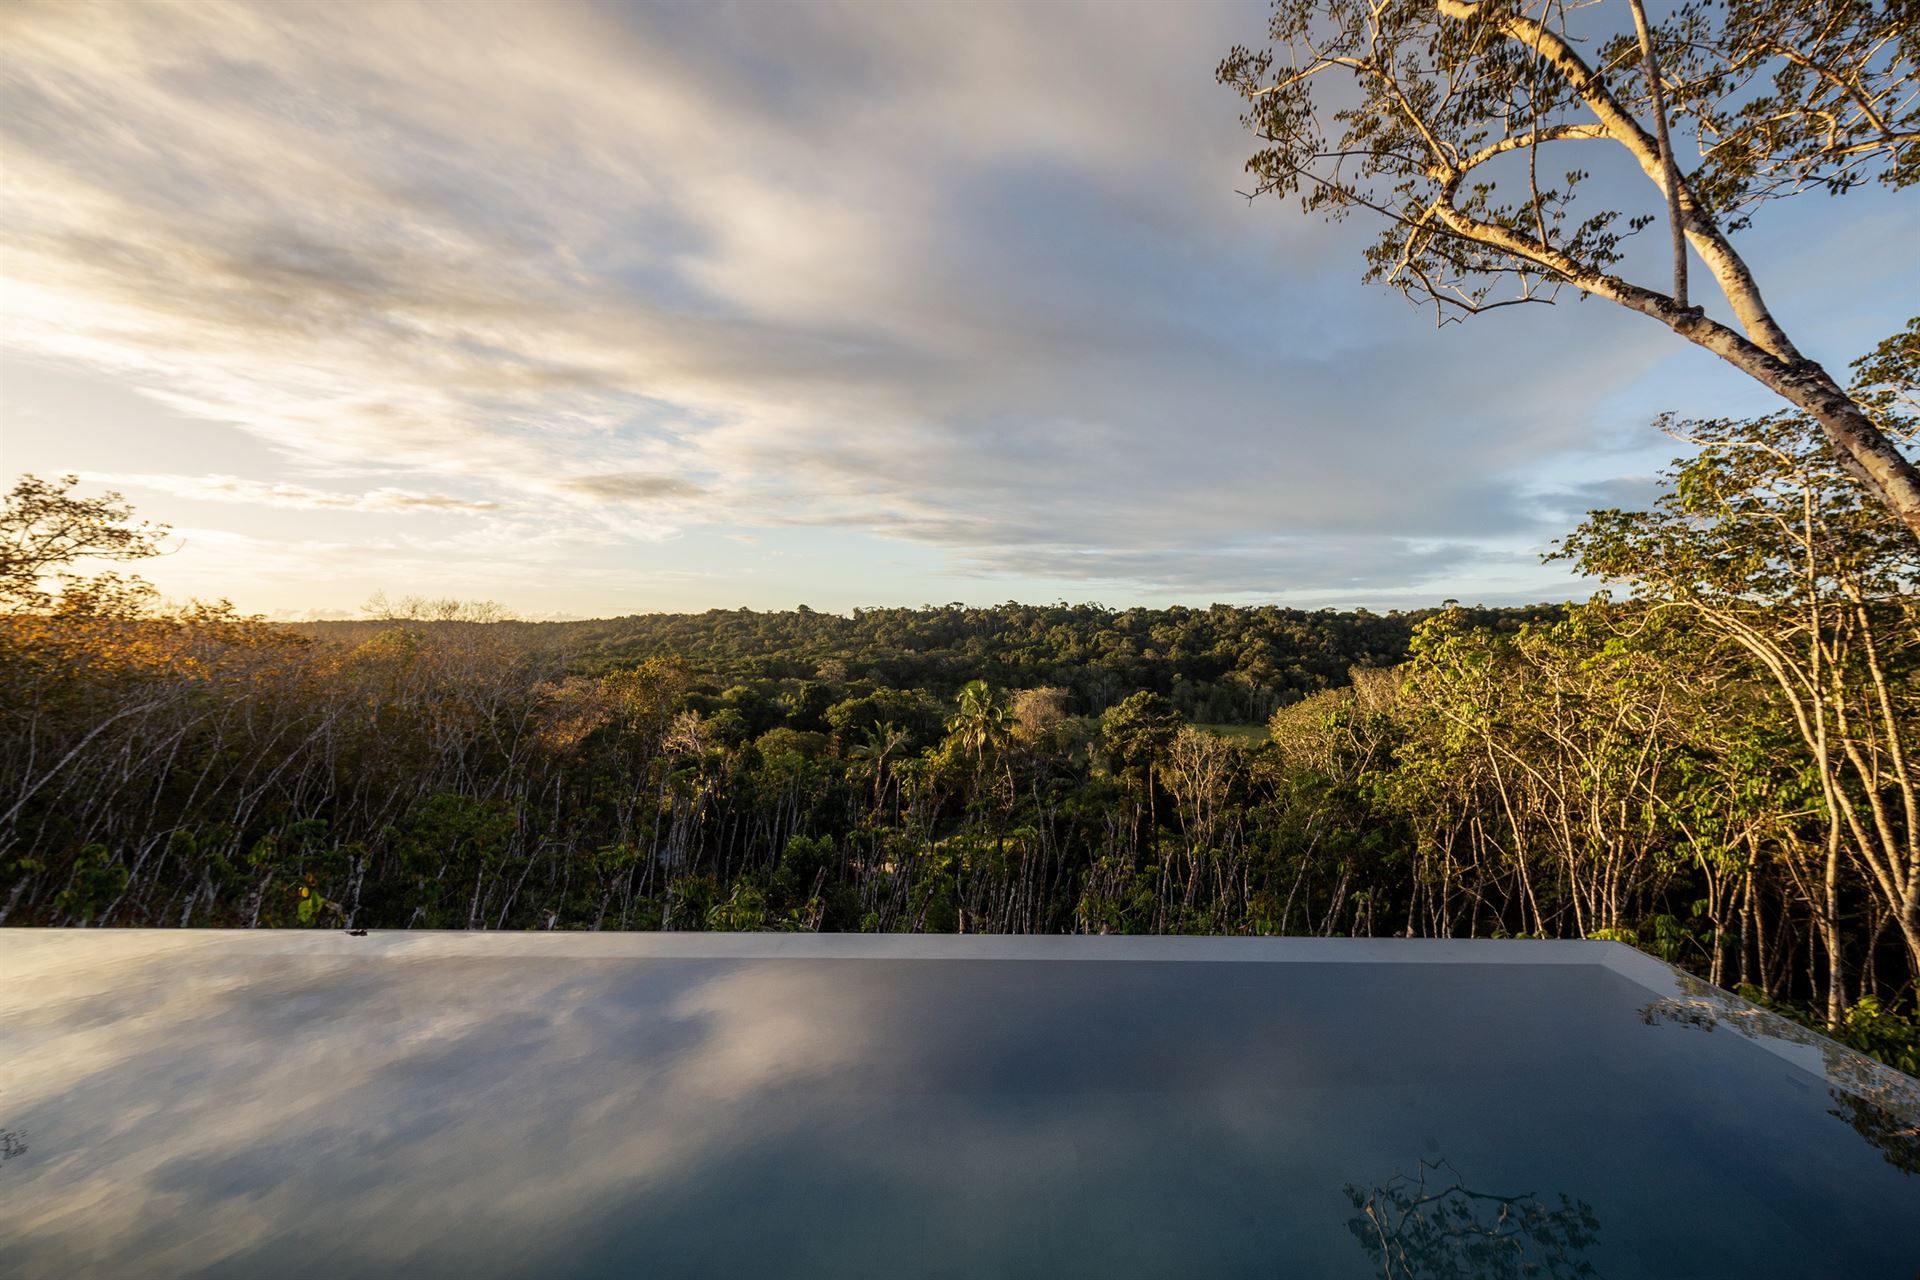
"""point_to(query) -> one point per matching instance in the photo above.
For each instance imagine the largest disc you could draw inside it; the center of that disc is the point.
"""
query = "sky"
(601, 309)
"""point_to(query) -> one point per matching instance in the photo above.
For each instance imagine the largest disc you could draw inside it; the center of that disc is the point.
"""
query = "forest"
(1224, 665)
(1713, 760)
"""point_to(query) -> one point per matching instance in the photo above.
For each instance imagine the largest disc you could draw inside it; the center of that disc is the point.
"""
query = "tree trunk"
(1830, 936)
(1863, 450)
(1910, 931)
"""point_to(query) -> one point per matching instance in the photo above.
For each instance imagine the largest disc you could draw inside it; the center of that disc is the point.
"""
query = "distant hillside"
(1221, 664)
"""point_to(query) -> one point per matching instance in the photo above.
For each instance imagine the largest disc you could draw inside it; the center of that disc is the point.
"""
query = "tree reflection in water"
(1878, 1102)
(1429, 1226)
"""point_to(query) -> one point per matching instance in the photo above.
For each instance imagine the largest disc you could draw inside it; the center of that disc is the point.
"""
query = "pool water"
(259, 1104)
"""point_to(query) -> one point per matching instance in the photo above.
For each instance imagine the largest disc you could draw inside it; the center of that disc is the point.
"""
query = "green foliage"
(1138, 731)
(442, 849)
(790, 748)
(804, 866)
(692, 902)
(1622, 769)
(1883, 1033)
(913, 711)
(1869, 1025)
(744, 910)
(1221, 664)
(94, 881)
(1120, 897)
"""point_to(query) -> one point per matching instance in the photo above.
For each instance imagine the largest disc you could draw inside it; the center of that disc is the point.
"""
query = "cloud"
(1628, 493)
(1349, 567)
(631, 486)
(975, 281)
(716, 1043)
(216, 488)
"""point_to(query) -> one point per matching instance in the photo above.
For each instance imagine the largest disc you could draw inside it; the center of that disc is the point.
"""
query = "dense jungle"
(1711, 762)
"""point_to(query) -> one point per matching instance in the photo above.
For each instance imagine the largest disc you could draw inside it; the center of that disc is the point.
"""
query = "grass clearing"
(1245, 732)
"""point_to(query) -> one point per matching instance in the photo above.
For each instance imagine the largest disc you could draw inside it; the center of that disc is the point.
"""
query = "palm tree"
(882, 741)
(981, 721)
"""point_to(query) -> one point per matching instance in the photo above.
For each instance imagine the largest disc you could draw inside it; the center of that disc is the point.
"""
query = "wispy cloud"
(297, 496)
(632, 486)
(972, 279)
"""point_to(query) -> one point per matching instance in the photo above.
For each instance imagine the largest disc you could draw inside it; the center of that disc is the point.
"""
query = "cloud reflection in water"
(201, 1105)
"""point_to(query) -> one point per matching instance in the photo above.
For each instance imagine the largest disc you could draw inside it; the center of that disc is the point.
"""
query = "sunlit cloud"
(632, 486)
(975, 282)
(297, 496)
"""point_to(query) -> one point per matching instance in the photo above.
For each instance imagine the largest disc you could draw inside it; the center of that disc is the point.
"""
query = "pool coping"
(870, 946)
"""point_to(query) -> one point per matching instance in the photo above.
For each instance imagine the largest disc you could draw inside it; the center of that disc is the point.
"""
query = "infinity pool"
(228, 1104)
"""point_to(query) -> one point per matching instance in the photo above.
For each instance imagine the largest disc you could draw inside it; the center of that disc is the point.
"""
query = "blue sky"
(595, 309)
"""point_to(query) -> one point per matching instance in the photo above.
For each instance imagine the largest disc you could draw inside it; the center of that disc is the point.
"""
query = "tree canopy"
(1470, 132)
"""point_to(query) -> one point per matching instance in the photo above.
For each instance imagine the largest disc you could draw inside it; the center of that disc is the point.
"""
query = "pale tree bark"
(1669, 171)
(1816, 696)
(1760, 348)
